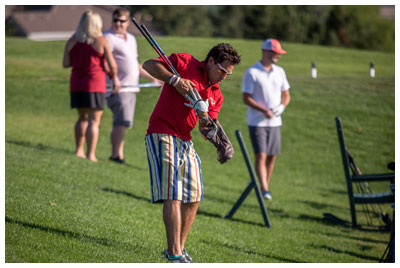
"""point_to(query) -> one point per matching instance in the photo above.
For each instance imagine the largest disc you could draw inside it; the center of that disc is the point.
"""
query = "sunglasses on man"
(118, 20)
(223, 69)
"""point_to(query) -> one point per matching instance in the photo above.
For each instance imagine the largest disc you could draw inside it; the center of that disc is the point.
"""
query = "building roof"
(60, 22)
(387, 12)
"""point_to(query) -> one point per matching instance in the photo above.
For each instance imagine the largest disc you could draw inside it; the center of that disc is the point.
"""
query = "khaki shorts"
(175, 169)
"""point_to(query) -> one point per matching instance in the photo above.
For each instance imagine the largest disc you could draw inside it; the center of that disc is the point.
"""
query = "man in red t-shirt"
(175, 167)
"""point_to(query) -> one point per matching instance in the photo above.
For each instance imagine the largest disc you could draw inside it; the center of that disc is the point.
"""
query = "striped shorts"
(175, 169)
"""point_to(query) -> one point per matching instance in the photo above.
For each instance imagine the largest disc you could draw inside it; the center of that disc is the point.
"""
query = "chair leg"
(353, 213)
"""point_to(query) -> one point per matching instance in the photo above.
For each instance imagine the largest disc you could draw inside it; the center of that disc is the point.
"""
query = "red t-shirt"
(88, 74)
(171, 116)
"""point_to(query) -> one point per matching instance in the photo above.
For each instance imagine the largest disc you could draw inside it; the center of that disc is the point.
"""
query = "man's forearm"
(285, 98)
(248, 100)
(143, 73)
(157, 70)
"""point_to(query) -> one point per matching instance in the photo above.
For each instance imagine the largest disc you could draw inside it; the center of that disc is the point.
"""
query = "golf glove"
(197, 103)
(278, 110)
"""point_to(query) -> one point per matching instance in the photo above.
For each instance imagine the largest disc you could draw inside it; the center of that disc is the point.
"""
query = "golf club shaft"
(159, 49)
(150, 84)
(155, 46)
(145, 36)
(160, 52)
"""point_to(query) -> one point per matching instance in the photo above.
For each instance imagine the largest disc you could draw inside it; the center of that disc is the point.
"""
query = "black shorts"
(93, 100)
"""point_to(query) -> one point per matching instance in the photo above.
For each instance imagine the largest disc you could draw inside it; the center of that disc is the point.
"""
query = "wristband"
(176, 81)
(172, 79)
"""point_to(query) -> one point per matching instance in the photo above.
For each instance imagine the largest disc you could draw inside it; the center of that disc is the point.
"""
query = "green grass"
(60, 208)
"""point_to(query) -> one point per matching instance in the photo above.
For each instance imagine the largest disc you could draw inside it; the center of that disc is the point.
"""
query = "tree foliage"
(349, 26)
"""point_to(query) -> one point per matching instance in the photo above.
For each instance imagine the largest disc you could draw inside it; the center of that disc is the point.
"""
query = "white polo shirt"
(125, 54)
(266, 88)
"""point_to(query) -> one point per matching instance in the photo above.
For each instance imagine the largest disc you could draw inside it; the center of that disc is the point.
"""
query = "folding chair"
(364, 195)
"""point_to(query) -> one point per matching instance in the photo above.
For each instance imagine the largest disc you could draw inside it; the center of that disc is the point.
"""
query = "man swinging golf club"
(191, 92)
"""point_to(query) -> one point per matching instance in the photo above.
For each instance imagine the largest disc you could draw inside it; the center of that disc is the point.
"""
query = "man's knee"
(271, 158)
(172, 204)
(261, 157)
(94, 123)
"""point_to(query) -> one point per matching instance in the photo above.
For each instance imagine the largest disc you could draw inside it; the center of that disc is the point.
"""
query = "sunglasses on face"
(223, 69)
(118, 20)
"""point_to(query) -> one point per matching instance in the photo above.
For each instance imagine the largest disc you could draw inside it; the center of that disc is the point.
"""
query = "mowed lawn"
(59, 208)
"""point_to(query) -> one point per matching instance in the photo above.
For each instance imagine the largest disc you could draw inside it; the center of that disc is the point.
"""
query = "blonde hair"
(89, 27)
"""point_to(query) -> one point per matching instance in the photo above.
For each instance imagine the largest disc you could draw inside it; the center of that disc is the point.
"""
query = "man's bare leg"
(189, 211)
(173, 225)
(117, 141)
(261, 170)
(270, 167)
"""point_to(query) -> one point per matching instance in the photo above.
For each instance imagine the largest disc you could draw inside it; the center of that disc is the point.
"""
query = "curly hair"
(222, 52)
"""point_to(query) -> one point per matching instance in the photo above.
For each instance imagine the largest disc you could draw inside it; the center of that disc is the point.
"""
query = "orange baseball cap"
(273, 45)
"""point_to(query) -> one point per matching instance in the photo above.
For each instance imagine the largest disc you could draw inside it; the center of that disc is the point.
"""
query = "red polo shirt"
(171, 116)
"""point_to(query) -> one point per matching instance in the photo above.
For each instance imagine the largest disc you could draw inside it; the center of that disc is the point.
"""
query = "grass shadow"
(320, 206)
(207, 214)
(91, 239)
(141, 198)
(249, 222)
(363, 239)
(339, 251)
(230, 202)
(38, 146)
(127, 165)
(332, 219)
(199, 212)
(218, 216)
(250, 252)
(332, 192)
(42, 147)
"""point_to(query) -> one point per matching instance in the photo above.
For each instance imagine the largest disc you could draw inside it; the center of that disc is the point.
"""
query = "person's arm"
(68, 46)
(248, 100)
(155, 68)
(285, 97)
(143, 73)
(112, 65)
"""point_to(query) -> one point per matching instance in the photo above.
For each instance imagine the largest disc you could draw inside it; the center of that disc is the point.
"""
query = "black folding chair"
(363, 195)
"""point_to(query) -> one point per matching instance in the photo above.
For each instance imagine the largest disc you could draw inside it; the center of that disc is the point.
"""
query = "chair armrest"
(373, 177)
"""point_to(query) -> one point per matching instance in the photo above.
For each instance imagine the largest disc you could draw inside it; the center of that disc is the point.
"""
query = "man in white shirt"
(122, 103)
(266, 93)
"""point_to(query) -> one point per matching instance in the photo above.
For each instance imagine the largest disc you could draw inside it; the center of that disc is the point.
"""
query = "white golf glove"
(197, 103)
(278, 110)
